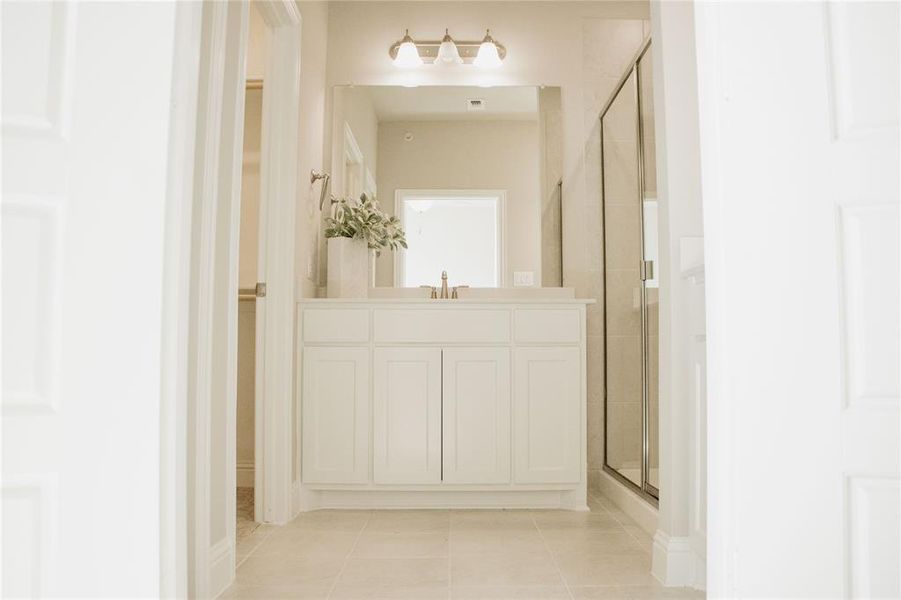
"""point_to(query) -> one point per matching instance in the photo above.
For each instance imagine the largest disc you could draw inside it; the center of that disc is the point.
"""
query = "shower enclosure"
(629, 190)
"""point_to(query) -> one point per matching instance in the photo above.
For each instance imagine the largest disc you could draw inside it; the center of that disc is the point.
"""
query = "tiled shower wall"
(608, 45)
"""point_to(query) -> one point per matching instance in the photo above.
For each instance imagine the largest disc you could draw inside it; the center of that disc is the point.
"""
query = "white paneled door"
(335, 415)
(547, 415)
(799, 107)
(476, 415)
(87, 102)
(406, 408)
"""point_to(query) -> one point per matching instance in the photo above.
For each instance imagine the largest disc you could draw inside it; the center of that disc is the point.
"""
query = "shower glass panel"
(648, 151)
(622, 257)
(631, 289)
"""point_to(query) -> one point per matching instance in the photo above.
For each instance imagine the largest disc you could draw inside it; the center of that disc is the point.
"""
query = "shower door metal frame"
(645, 490)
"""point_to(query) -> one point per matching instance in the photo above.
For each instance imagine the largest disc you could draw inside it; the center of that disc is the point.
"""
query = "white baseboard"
(245, 474)
(675, 563)
(222, 567)
(442, 499)
(629, 502)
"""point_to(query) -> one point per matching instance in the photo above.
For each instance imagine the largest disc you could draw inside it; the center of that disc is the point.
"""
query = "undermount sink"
(522, 293)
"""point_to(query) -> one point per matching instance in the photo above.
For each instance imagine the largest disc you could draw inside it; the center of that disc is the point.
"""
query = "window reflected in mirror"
(455, 231)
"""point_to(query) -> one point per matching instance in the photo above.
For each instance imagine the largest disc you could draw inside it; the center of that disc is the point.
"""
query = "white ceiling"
(445, 103)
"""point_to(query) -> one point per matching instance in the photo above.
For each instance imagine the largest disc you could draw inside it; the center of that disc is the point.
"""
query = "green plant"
(365, 220)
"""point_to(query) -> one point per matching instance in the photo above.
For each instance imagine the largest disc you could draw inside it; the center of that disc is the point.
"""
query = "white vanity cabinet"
(441, 404)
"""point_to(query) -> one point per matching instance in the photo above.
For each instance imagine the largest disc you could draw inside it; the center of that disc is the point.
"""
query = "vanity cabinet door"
(335, 414)
(476, 409)
(547, 415)
(407, 415)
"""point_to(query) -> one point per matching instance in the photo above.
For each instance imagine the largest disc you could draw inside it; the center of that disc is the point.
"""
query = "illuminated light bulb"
(407, 54)
(488, 57)
(448, 52)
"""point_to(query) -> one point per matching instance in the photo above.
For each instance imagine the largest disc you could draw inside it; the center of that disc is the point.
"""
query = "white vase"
(348, 268)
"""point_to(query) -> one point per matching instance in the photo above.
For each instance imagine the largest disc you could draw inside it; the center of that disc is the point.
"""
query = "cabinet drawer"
(471, 326)
(548, 325)
(336, 325)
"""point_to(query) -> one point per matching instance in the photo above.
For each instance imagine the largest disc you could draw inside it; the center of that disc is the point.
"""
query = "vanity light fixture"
(486, 54)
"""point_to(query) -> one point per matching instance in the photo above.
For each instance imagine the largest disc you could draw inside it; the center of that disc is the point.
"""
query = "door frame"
(274, 371)
(212, 256)
(176, 301)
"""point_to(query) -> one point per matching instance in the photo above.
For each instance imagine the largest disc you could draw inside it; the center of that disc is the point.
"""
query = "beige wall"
(467, 155)
(250, 190)
(257, 47)
(354, 109)
(550, 136)
(311, 133)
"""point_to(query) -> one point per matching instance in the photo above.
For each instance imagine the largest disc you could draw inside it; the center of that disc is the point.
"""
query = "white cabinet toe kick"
(441, 404)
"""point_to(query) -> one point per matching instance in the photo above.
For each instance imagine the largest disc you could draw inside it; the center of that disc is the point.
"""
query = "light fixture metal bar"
(428, 50)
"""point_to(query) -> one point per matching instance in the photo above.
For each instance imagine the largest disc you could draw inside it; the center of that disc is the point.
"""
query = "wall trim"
(245, 470)
(675, 563)
(629, 502)
(175, 369)
(441, 499)
(274, 394)
(222, 565)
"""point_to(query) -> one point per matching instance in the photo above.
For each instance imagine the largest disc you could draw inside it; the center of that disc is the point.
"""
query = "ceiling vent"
(475, 104)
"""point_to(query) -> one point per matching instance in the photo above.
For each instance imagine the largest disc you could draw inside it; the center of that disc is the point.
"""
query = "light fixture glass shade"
(407, 54)
(448, 52)
(487, 57)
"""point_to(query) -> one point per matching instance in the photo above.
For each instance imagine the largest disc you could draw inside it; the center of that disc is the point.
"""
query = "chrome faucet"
(444, 285)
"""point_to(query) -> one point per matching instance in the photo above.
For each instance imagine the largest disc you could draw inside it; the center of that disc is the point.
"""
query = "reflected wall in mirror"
(473, 173)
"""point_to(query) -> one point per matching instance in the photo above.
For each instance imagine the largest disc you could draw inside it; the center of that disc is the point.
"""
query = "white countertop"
(431, 301)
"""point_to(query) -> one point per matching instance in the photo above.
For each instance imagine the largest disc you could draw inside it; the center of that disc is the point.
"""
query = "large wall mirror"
(473, 173)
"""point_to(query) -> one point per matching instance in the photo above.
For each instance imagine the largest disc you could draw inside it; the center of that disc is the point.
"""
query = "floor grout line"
(449, 569)
(621, 524)
(270, 529)
(349, 554)
(553, 556)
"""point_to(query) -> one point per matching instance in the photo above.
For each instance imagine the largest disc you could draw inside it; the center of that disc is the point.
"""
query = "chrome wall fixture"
(325, 177)
(487, 53)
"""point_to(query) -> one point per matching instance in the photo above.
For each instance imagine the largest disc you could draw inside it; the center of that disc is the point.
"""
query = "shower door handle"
(647, 270)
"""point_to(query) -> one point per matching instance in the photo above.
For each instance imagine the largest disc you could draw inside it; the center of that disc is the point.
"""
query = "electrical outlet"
(310, 269)
(523, 278)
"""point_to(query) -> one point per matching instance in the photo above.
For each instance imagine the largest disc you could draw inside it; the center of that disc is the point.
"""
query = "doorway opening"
(248, 290)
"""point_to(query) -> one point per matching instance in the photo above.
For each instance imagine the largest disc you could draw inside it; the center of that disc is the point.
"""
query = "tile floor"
(244, 509)
(451, 554)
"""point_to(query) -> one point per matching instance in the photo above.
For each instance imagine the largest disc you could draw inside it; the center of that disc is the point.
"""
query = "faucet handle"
(433, 291)
(454, 295)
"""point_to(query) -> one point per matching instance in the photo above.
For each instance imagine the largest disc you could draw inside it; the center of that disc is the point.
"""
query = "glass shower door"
(631, 289)
(647, 155)
(622, 285)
